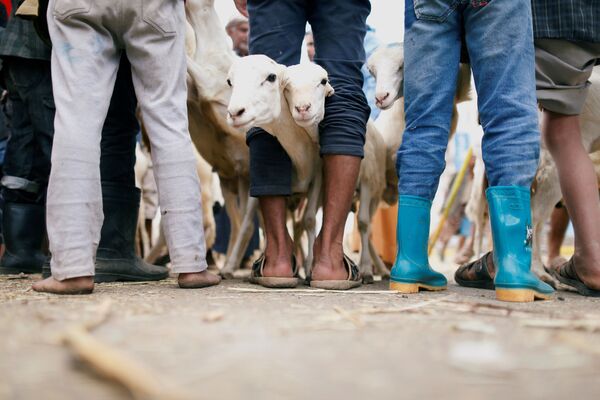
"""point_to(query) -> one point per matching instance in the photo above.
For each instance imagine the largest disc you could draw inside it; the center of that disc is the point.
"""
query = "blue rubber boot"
(411, 271)
(510, 216)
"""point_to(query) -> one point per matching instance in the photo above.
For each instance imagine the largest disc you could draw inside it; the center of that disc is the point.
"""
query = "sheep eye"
(271, 77)
(229, 82)
(324, 82)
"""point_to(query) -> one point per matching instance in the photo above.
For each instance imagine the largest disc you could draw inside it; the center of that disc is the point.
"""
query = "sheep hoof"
(226, 275)
(368, 279)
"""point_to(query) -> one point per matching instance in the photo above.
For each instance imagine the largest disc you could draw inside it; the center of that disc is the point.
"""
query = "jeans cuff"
(270, 190)
(343, 150)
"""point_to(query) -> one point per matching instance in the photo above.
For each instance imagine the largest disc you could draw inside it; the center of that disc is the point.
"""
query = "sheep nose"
(304, 108)
(381, 97)
(237, 113)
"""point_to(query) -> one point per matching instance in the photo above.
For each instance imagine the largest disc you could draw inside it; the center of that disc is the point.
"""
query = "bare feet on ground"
(328, 265)
(278, 262)
(197, 280)
(79, 285)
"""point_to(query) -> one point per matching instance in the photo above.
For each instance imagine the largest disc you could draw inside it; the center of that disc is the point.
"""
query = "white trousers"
(88, 38)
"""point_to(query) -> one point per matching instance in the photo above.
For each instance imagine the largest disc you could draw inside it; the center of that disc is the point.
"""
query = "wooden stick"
(319, 291)
(115, 365)
(352, 317)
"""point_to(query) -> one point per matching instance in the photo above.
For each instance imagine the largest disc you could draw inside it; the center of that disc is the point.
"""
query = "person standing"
(85, 61)
(277, 28)
(567, 47)
(499, 42)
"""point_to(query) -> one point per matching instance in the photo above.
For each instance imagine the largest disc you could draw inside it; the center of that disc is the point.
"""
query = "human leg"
(83, 83)
(339, 28)
(431, 61)
(161, 91)
(505, 77)
(276, 30)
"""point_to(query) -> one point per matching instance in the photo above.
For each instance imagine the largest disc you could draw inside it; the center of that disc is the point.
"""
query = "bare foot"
(328, 265)
(588, 271)
(79, 285)
(196, 280)
(278, 264)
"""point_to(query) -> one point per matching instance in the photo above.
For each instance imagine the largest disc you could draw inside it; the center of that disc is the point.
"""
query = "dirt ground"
(229, 343)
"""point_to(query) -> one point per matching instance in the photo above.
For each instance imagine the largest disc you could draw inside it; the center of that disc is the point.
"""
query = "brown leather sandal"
(475, 274)
(566, 274)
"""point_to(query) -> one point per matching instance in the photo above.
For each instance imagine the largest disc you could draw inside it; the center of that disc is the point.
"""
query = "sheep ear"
(329, 91)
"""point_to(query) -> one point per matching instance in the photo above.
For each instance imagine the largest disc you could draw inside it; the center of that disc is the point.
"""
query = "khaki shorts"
(562, 71)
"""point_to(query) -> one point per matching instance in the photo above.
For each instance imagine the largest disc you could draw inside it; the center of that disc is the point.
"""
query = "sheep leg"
(233, 212)
(364, 225)
(547, 193)
(242, 239)
(310, 220)
(380, 267)
(159, 249)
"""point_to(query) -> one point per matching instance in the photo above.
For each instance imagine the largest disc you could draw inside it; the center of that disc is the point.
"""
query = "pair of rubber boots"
(23, 227)
(510, 217)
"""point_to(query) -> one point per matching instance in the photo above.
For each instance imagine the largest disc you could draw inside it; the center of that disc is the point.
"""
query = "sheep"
(305, 88)
(222, 146)
(257, 100)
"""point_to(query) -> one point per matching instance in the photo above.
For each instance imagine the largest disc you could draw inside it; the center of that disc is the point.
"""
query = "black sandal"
(475, 274)
(258, 278)
(354, 279)
(566, 274)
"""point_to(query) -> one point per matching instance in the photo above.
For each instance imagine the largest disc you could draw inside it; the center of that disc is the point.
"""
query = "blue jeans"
(277, 29)
(499, 40)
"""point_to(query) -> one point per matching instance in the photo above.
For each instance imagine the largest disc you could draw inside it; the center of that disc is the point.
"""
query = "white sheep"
(257, 100)
(305, 88)
(222, 146)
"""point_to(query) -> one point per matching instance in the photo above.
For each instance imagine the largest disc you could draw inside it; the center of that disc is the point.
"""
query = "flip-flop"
(257, 277)
(475, 274)
(566, 274)
(354, 279)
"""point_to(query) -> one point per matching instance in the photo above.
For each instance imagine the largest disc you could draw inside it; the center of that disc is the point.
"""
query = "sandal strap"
(259, 264)
(479, 266)
(353, 271)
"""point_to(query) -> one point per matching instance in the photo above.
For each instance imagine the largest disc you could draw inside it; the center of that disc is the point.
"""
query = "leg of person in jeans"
(432, 46)
(562, 84)
(277, 30)
(27, 164)
(499, 39)
(115, 256)
(162, 94)
(339, 28)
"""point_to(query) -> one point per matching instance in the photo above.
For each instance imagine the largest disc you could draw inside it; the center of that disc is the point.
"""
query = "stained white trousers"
(88, 38)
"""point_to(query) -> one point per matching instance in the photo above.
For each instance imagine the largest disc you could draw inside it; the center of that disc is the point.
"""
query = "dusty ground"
(222, 343)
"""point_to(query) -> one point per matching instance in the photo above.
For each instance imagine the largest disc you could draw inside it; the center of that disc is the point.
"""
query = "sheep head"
(305, 87)
(386, 65)
(256, 91)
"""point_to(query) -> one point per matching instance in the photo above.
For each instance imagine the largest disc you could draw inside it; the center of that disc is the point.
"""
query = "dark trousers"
(27, 160)
(277, 29)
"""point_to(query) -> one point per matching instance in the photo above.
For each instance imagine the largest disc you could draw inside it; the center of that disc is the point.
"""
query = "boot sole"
(520, 295)
(107, 278)
(408, 288)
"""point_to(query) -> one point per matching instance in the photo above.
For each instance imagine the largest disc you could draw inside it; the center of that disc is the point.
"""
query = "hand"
(241, 7)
